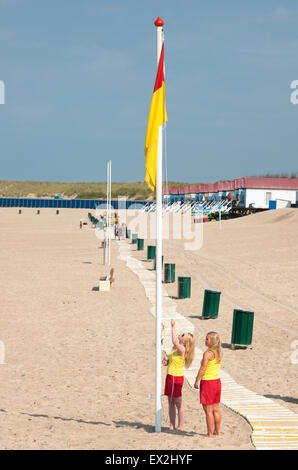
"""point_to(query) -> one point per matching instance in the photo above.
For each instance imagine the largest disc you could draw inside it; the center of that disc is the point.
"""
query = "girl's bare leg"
(172, 412)
(180, 408)
(217, 418)
(209, 419)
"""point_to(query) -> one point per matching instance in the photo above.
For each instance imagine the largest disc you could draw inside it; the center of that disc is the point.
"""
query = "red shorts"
(173, 386)
(210, 392)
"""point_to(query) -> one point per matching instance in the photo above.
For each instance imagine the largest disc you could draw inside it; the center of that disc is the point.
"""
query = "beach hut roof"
(211, 188)
(173, 190)
(226, 185)
(238, 183)
(267, 183)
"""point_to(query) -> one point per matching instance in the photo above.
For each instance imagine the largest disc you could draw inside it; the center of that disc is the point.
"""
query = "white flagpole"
(108, 216)
(107, 219)
(158, 410)
(110, 207)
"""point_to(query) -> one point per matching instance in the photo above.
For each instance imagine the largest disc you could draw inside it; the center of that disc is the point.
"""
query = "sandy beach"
(79, 364)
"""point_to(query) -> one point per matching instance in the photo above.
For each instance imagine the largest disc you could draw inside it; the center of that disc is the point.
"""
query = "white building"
(258, 192)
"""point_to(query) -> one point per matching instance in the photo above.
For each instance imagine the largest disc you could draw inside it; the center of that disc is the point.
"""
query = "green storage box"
(169, 272)
(20, 211)
(127, 233)
(184, 287)
(140, 244)
(134, 238)
(38, 212)
(151, 250)
(57, 212)
(211, 304)
(154, 267)
(242, 327)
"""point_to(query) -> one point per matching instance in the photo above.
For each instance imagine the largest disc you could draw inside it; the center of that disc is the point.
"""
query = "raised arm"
(180, 348)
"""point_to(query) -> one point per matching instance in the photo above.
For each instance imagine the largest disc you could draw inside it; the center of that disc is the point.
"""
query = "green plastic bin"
(169, 273)
(38, 212)
(242, 327)
(134, 238)
(140, 244)
(127, 233)
(151, 250)
(154, 267)
(211, 304)
(57, 212)
(184, 287)
(20, 211)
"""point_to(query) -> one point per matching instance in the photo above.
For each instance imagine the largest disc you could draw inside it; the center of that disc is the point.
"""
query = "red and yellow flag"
(157, 117)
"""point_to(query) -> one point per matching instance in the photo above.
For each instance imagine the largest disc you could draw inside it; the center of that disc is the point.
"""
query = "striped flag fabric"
(157, 117)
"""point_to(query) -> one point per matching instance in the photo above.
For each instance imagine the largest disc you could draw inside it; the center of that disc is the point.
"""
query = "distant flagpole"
(158, 407)
(107, 244)
(110, 210)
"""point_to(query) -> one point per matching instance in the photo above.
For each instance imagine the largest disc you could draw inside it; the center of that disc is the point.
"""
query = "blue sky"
(79, 77)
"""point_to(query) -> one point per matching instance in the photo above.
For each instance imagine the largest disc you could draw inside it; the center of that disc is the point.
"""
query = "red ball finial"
(158, 22)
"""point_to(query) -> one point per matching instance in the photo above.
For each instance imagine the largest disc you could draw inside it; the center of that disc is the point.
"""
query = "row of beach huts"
(255, 193)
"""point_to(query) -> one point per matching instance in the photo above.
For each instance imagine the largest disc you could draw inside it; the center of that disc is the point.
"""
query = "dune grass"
(135, 190)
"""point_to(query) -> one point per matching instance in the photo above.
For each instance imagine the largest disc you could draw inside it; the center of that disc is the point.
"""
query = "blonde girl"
(182, 355)
(210, 386)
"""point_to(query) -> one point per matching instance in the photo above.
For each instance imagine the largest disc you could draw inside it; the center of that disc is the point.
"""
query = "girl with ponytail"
(210, 386)
(181, 356)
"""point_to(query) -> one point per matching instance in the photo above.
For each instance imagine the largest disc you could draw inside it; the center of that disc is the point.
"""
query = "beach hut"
(166, 195)
(173, 194)
(192, 191)
(181, 194)
(258, 192)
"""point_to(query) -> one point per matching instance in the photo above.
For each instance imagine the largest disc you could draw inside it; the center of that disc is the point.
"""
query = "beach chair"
(105, 282)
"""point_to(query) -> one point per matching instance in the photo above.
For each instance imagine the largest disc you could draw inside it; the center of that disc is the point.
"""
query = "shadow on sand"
(60, 418)
(286, 399)
(151, 429)
(38, 415)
